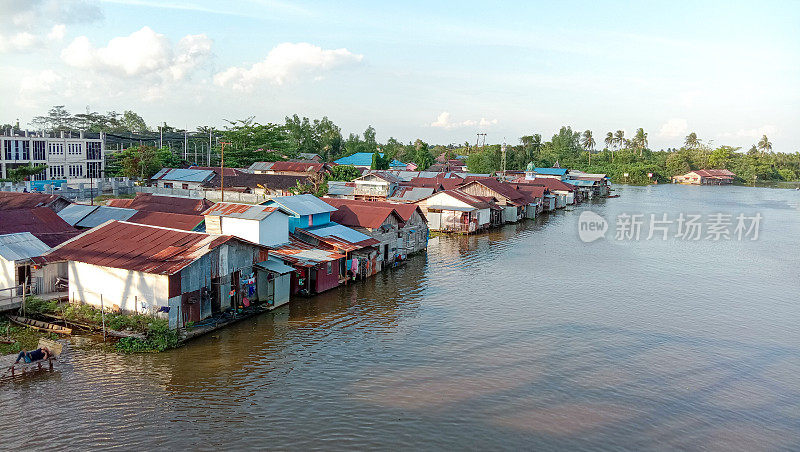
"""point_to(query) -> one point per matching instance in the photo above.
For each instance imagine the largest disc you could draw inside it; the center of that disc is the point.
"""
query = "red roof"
(536, 191)
(158, 203)
(167, 220)
(715, 173)
(549, 182)
(502, 188)
(42, 222)
(296, 167)
(478, 202)
(445, 183)
(16, 200)
(365, 216)
(405, 210)
(137, 247)
(300, 253)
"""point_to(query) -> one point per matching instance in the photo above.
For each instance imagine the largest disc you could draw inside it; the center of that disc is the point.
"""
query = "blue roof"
(551, 171)
(103, 214)
(364, 159)
(306, 204)
(337, 230)
(184, 175)
(276, 267)
(580, 183)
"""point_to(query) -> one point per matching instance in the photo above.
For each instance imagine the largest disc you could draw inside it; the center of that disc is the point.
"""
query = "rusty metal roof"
(10, 200)
(364, 216)
(42, 222)
(243, 211)
(405, 211)
(296, 167)
(340, 238)
(159, 203)
(138, 247)
(167, 220)
(302, 254)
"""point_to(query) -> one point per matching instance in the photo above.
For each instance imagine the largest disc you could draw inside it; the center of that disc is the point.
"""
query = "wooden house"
(705, 177)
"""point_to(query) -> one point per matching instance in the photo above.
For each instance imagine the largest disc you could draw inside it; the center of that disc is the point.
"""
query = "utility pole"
(160, 137)
(208, 154)
(185, 145)
(503, 156)
(222, 171)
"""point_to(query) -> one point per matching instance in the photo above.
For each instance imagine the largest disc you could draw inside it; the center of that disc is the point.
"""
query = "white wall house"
(70, 157)
(259, 224)
(15, 251)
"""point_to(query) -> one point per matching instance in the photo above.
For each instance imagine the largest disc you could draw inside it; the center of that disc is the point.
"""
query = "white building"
(259, 224)
(15, 252)
(69, 157)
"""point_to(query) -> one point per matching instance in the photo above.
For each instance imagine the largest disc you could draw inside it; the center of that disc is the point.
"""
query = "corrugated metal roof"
(243, 211)
(10, 200)
(306, 204)
(297, 167)
(137, 247)
(168, 220)
(336, 230)
(340, 188)
(551, 171)
(364, 216)
(302, 254)
(405, 211)
(184, 175)
(160, 203)
(21, 245)
(103, 214)
(42, 222)
(74, 213)
(275, 267)
(580, 183)
(364, 159)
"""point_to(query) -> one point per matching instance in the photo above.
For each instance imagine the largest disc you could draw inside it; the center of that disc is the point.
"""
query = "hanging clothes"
(355, 265)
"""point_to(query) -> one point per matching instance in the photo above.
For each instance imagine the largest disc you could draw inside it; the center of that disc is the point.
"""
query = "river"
(524, 337)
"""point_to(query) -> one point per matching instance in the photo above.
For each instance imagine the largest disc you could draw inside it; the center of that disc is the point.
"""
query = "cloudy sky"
(440, 71)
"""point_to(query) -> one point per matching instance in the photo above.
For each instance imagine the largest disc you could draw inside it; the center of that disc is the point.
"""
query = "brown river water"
(521, 338)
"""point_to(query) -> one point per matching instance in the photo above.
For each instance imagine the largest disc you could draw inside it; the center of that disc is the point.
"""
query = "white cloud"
(674, 128)
(43, 82)
(443, 121)
(286, 63)
(27, 25)
(142, 53)
(767, 129)
(57, 32)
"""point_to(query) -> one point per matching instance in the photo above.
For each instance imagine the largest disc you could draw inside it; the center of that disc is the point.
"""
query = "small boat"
(39, 325)
(612, 196)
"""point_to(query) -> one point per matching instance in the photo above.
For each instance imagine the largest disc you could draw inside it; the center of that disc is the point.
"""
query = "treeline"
(573, 149)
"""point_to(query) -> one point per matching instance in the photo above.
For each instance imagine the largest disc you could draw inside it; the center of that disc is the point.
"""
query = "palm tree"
(609, 139)
(588, 143)
(536, 144)
(640, 139)
(691, 140)
(619, 138)
(764, 145)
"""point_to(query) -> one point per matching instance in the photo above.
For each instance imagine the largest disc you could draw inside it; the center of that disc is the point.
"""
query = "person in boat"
(34, 355)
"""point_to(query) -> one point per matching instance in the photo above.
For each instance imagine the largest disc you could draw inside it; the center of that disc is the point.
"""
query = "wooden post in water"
(103, 313)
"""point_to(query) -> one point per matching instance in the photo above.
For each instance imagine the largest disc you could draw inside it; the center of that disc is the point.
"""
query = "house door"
(312, 278)
(216, 304)
(236, 298)
(386, 252)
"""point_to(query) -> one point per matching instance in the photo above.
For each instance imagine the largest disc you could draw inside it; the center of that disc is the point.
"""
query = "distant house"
(457, 211)
(263, 184)
(552, 173)
(259, 224)
(406, 194)
(160, 203)
(398, 234)
(16, 249)
(316, 270)
(514, 203)
(375, 186)
(305, 210)
(705, 177)
(565, 193)
(180, 275)
(186, 179)
(308, 157)
(289, 168)
(11, 200)
(364, 160)
(601, 186)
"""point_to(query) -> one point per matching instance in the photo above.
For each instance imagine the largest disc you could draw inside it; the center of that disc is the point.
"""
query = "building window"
(94, 150)
(23, 150)
(41, 176)
(7, 146)
(75, 170)
(56, 148)
(39, 150)
(330, 267)
(74, 149)
(185, 186)
(94, 169)
(57, 172)
(167, 184)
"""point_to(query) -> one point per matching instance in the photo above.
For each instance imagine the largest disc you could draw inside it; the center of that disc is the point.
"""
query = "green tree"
(764, 145)
(251, 142)
(143, 162)
(422, 156)
(22, 173)
(640, 140)
(691, 140)
(344, 172)
(619, 139)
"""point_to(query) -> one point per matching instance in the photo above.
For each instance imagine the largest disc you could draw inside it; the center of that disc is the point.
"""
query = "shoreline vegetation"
(142, 150)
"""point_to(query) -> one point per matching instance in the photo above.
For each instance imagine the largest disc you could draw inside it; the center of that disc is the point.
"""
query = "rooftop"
(184, 175)
(137, 247)
(16, 200)
(297, 167)
(306, 204)
(158, 203)
(242, 211)
(167, 220)
(364, 159)
(302, 254)
(21, 245)
(551, 171)
(42, 222)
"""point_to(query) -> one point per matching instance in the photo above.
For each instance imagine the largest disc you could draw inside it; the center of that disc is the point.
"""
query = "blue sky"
(440, 71)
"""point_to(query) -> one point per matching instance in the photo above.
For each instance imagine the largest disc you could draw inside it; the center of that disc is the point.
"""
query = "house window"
(94, 169)
(167, 184)
(7, 145)
(57, 172)
(185, 186)
(39, 150)
(74, 149)
(93, 150)
(330, 267)
(56, 148)
(75, 170)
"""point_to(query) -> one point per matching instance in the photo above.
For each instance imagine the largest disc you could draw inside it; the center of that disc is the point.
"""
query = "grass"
(103, 198)
(158, 335)
(24, 338)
